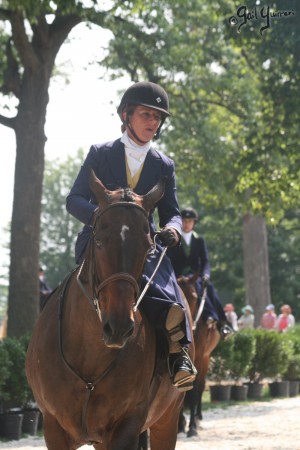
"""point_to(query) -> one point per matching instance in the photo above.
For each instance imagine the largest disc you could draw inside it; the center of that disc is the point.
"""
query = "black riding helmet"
(189, 213)
(147, 94)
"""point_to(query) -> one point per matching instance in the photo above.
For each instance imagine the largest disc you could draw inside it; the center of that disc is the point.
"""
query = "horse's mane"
(124, 195)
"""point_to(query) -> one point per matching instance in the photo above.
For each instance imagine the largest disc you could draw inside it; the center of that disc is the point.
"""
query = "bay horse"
(103, 382)
(205, 340)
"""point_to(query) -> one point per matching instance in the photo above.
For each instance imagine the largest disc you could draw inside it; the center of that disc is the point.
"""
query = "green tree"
(58, 228)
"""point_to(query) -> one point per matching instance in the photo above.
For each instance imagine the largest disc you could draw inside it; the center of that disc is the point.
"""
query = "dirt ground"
(273, 425)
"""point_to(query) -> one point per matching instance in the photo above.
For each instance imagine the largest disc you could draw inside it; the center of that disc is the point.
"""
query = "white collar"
(132, 146)
(135, 154)
(187, 236)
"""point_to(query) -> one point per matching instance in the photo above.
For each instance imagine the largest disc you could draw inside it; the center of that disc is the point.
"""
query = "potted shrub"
(219, 371)
(4, 374)
(30, 410)
(292, 373)
(15, 388)
(243, 351)
(270, 359)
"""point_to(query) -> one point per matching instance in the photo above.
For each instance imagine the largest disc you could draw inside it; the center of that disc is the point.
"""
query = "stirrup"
(226, 332)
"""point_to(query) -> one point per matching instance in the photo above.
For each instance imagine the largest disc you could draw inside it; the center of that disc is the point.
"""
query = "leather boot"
(174, 321)
(181, 368)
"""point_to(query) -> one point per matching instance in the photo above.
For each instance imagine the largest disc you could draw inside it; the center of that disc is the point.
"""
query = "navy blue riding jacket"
(109, 164)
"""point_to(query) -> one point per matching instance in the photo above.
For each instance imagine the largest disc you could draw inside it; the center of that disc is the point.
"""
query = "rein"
(200, 309)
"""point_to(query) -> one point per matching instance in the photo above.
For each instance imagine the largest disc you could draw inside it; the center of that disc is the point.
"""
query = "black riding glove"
(205, 280)
(169, 237)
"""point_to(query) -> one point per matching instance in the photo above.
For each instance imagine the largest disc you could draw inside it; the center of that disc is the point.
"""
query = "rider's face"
(188, 225)
(145, 122)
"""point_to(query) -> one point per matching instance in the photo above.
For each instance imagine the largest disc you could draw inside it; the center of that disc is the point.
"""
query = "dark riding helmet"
(189, 213)
(147, 94)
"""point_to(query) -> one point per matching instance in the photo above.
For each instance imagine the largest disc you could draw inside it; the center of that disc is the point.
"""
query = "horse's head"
(121, 241)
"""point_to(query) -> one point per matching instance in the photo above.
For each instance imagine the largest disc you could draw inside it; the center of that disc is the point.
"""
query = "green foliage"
(58, 228)
(220, 362)
(292, 371)
(4, 369)
(292, 335)
(271, 356)
(15, 387)
(284, 245)
(243, 352)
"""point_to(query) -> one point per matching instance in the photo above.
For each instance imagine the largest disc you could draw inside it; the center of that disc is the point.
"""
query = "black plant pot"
(11, 425)
(254, 390)
(279, 388)
(294, 388)
(239, 393)
(30, 421)
(220, 392)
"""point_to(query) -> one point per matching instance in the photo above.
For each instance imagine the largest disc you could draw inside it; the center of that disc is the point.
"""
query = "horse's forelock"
(127, 195)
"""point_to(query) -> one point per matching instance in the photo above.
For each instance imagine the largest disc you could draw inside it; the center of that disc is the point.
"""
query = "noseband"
(115, 277)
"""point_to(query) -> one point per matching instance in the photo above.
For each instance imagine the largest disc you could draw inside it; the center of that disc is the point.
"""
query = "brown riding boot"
(181, 368)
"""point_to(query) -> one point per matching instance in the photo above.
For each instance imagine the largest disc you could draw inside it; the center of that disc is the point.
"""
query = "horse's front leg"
(163, 433)
(55, 436)
(126, 433)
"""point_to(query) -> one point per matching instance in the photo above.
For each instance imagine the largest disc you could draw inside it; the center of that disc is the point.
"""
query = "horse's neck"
(192, 298)
(80, 327)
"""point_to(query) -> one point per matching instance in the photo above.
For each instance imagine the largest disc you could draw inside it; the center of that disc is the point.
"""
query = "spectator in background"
(231, 316)
(285, 320)
(45, 290)
(268, 319)
(247, 318)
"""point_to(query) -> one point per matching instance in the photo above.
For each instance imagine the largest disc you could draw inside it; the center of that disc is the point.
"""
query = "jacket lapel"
(116, 159)
(151, 172)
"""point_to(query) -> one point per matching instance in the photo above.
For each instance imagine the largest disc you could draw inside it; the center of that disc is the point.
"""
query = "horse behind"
(92, 361)
(205, 340)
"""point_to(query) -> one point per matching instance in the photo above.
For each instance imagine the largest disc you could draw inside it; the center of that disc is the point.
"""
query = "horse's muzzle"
(115, 335)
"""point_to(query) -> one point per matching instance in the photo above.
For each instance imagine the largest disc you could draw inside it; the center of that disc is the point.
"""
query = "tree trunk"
(37, 56)
(25, 226)
(256, 264)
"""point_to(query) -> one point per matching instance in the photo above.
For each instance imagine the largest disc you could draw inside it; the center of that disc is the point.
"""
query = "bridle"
(95, 283)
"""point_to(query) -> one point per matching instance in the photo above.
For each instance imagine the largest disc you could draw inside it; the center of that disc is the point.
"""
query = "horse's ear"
(99, 190)
(153, 196)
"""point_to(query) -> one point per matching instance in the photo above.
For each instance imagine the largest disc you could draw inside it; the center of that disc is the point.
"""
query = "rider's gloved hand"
(205, 280)
(168, 237)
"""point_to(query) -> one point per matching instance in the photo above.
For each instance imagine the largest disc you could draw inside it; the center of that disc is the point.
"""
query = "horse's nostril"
(107, 329)
(130, 330)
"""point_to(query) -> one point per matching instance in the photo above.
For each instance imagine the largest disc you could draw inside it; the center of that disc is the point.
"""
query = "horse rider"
(191, 258)
(133, 161)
